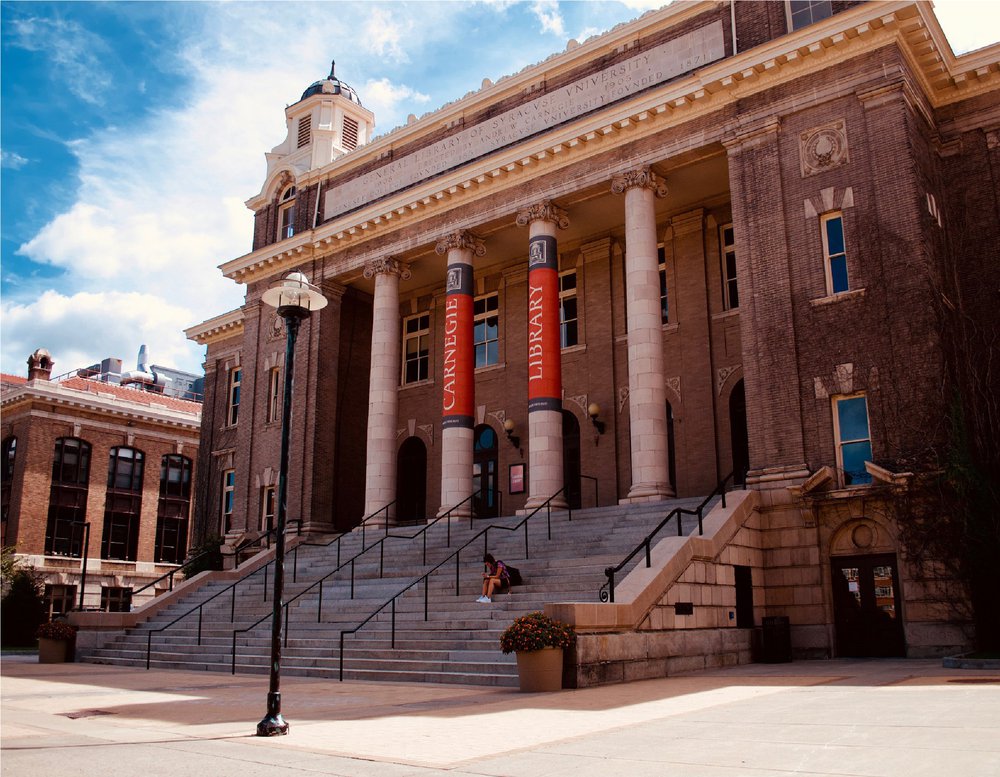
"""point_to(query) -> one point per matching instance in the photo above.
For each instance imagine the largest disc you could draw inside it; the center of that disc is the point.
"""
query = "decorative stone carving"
(724, 373)
(829, 199)
(400, 432)
(461, 238)
(993, 139)
(428, 430)
(498, 415)
(674, 384)
(546, 210)
(643, 177)
(275, 328)
(387, 265)
(622, 398)
(580, 400)
(823, 148)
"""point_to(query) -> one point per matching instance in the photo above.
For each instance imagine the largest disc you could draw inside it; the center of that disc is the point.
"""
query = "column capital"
(461, 238)
(546, 210)
(639, 177)
(387, 265)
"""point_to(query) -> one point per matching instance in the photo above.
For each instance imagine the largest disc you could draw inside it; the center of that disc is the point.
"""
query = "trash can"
(776, 640)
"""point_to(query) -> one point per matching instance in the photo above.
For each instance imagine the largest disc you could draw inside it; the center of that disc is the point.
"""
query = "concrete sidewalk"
(844, 717)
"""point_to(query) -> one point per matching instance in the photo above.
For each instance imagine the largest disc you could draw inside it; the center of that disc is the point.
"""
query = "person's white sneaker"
(487, 600)
(482, 599)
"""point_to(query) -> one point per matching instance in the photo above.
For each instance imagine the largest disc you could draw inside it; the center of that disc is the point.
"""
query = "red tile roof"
(15, 380)
(137, 396)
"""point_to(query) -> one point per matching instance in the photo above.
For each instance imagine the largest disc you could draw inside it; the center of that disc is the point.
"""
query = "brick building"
(98, 479)
(704, 242)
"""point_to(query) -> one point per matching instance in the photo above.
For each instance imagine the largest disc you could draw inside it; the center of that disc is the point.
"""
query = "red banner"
(458, 382)
(544, 353)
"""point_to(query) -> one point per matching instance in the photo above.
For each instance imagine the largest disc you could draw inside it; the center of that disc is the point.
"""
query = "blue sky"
(133, 132)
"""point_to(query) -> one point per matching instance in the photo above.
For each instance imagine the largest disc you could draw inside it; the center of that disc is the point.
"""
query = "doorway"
(485, 499)
(866, 606)
(571, 459)
(411, 481)
(738, 437)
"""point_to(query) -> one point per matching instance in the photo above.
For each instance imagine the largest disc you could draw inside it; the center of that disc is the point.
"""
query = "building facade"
(98, 485)
(706, 242)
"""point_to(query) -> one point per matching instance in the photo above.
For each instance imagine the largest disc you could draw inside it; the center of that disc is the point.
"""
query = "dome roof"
(331, 85)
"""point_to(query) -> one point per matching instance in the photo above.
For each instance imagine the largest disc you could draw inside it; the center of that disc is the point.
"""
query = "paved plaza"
(844, 717)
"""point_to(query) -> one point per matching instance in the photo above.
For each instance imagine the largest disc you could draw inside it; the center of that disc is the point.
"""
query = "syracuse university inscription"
(624, 79)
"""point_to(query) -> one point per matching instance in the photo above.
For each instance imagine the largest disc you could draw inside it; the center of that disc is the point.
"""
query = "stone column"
(647, 408)
(458, 381)
(545, 438)
(383, 396)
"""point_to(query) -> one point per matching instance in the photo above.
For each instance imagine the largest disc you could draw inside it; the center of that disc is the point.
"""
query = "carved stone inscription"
(603, 88)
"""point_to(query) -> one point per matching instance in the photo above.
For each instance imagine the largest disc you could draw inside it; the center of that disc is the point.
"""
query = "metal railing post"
(649, 559)
(427, 591)
(233, 670)
(458, 568)
(149, 647)
(83, 564)
(381, 557)
(319, 608)
(341, 656)
(200, 609)
(610, 572)
(352, 578)
(265, 581)
(232, 607)
(394, 623)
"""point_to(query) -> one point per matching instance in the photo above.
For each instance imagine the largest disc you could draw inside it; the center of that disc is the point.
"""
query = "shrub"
(206, 556)
(535, 631)
(22, 608)
(56, 630)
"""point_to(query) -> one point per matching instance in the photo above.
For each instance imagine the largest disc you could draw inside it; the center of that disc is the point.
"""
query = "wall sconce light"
(513, 439)
(593, 411)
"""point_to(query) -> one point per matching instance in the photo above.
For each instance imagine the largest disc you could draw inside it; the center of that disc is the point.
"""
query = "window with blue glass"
(854, 445)
(661, 255)
(486, 328)
(835, 253)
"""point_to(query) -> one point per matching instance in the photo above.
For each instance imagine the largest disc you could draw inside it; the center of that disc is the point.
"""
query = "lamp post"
(295, 298)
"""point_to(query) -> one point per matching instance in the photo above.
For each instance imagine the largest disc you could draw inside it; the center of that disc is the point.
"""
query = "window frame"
(123, 505)
(730, 281)
(233, 395)
(790, 16)
(828, 259)
(661, 264)
(840, 443)
(287, 212)
(484, 318)
(228, 500)
(268, 499)
(116, 598)
(273, 395)
(564, 321)
(421, 335)
(173, 509)
(67, 510)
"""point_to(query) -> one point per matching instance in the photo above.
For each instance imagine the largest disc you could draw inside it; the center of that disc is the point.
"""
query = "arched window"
(68, 497)
(286, 213)
(173, 509)
(123, 504)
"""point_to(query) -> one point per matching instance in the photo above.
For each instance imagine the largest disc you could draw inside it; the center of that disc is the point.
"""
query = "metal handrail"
(597, 493)
(231, 587)
(425, 578)
(607, 591)
(351, 561)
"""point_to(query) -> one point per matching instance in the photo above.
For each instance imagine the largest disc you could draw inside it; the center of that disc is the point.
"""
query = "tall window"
(233, 410)
(173, 509)
(267, 508)
(68, 497)
(568, 324)
(661, 254)
(416, 348)
(854, 445)
(7, 477)
(273, 394)
(730, 290)
(59, 599)
(228, 496)
(834, 253)
(286, 213)
(485, 333)
(804, 12)
(123, 505)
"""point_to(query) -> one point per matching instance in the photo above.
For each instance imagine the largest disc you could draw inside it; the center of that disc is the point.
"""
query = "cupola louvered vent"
(305, 131)
(350, 133)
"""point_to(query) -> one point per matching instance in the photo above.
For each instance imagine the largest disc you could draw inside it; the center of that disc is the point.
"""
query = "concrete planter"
(540, 670)
(52, 651)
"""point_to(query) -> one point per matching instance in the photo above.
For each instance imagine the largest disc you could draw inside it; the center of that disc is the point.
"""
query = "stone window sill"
(417, 384)
(578, 348)
(839, 297)
(491, 368)
(670, 328)
(732, 312)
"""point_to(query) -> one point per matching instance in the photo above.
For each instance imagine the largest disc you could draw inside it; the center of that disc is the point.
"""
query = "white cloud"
(12, 160)
(74, 52)
(548, 14)
(390, 102)
(382, 35)
(969, 24)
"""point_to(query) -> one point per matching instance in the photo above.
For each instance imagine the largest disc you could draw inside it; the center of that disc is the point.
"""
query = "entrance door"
(485, 501)
(411, 481)
(571, 459)
(866, 606)
(738, 432)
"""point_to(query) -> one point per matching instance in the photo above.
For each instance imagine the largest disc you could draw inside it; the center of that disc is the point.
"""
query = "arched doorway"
(738, 432)
(485, 500)
(571, 459)
(411, 481)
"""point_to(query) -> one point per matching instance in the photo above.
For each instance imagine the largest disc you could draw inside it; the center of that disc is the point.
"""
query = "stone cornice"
(942, 78)
(219, 328)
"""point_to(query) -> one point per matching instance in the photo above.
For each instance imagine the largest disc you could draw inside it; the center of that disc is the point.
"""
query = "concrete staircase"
(457, 643)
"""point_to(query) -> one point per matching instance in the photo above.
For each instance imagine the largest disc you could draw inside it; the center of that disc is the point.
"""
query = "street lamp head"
(294, 296)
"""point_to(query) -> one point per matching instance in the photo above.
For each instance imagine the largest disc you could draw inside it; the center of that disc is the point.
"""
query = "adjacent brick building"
(98, 479)
(707, 241)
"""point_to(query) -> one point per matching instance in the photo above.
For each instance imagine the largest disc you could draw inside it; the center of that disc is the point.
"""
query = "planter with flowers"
(56, 642)
(539, 642)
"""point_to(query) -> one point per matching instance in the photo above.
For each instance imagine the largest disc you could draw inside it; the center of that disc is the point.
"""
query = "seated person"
(495, 576)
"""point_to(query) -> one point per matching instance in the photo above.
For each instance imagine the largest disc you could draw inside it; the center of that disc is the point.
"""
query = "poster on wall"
(516, 479)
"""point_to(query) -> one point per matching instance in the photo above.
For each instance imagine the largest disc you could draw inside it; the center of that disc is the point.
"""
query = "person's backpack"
(514, 574)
